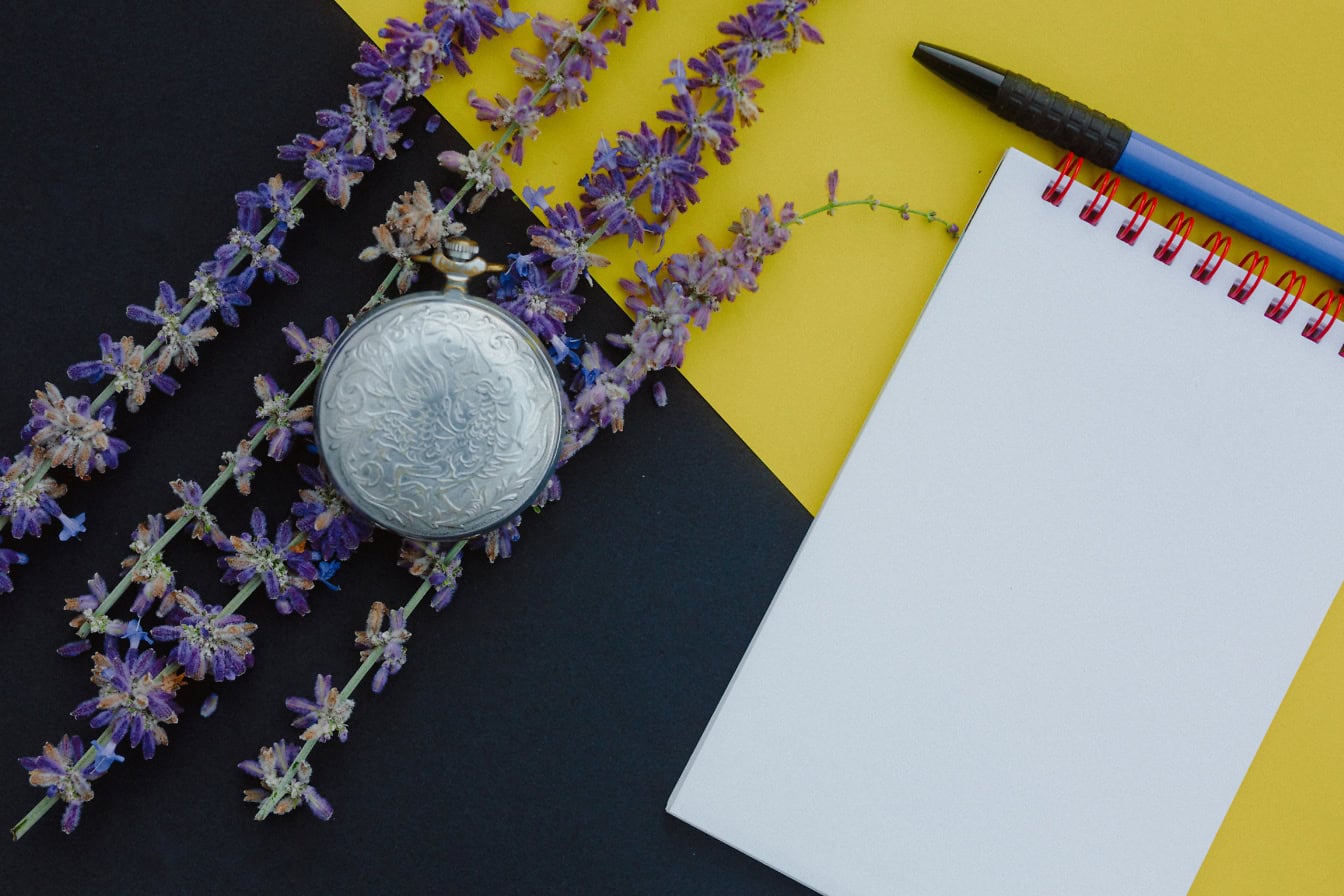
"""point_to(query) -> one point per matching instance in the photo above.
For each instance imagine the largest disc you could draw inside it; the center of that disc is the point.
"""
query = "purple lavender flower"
(364, 124)
(713, 128)
(64, 431)
(325, 716)
(147, 566)
(660, 394)
(658, 166)
(708, 277)
(326, 569)
(9, 558)
(503, 114)
(549, 492)
(286, 422)
(561, 79)
(214, 288)
(662, 319)
(136, 635)
(333, 527)
(312, 350)
(333, 165)
(603, 392)
(178, 335)
(57, 773)
(481, 169)
(535, 197)
(208, 640)
(28, 501)
(467, 21)
(585, 50)
(390, 85)
(528, 294)
(759, 234)
(497, 543)
(418, 51)
(604, 155)
(204, 526)
(437, 564)
(622, 10)
(125, 361)
(85, 607)
(271, 767)
(71, 526)
(564, 350)
(568, 244)
(678, 82)
(104, 756)
(609, 207)
(392, 641)
(177, 601)
(283, 566)
(263, 256)
(729, 75)
(242, 465)
(759, 30)
(790, 14)
(276, 196)
(135, 698)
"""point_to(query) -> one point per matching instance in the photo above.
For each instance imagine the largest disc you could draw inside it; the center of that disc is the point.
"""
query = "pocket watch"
(439, 415)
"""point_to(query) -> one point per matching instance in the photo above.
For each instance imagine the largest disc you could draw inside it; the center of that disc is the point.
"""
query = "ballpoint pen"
(1111, 144)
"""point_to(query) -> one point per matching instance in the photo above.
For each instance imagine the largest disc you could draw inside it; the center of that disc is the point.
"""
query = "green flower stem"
(904, 210)
(36, 813)
(375, 655)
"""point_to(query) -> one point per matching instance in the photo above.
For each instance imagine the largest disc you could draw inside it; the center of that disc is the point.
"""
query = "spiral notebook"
(1052, 603)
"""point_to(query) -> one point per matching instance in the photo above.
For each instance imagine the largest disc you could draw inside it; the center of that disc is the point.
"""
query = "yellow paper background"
(1248, 89)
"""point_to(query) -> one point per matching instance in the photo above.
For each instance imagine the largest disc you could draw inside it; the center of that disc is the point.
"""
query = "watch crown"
(458, 261)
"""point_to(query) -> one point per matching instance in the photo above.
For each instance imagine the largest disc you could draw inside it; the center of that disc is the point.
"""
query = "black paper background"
(531, 742)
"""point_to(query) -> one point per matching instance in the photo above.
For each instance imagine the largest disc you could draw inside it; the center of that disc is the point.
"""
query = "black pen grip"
(1060, 120)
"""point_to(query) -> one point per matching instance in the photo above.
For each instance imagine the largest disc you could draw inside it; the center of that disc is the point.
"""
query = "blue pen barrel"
(1227, 202)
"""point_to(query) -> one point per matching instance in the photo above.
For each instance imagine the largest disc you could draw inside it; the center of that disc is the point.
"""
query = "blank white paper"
(1033, 639)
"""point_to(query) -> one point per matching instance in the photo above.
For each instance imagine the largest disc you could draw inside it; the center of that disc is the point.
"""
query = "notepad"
(1034, 637)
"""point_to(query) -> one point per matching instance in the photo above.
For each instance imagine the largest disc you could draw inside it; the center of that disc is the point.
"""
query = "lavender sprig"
(280, 788)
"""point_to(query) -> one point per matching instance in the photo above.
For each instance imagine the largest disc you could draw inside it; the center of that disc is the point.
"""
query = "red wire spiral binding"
(1068, 167)
(1216, 246)
(1202, 272)
(1330, 309)
(1180, 225)
(1103, 186)
(1277, 312)
(1258, 265)
(1146, 206)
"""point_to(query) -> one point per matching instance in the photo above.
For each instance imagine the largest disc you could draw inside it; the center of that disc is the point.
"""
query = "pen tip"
(980, 79)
